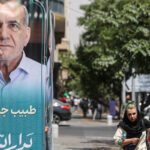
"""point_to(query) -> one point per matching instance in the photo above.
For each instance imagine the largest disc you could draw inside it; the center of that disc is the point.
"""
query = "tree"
(116, 37)
(69, 63)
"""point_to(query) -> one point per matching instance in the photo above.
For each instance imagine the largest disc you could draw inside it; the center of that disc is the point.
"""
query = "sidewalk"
(97, 122)
(86, 142)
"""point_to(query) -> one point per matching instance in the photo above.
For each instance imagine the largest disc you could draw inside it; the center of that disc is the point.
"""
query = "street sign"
(142, 83)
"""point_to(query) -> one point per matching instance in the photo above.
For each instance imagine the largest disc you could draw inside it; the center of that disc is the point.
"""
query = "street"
(85, 134)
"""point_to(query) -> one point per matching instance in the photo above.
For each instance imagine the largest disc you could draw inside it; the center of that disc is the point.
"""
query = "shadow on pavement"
(77, 117)
(101, 148)
(103, 145)
(64, 125)
(108, 142)
(103, 119)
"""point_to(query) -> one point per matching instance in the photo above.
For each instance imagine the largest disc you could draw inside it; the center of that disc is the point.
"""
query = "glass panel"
(50, 66)
(57, 6)
(25, 80)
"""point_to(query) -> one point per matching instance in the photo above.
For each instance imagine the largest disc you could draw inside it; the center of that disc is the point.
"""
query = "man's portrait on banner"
(21, 79)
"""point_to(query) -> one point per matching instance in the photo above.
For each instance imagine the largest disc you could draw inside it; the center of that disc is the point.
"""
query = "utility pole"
(123, 90)
(133, 85)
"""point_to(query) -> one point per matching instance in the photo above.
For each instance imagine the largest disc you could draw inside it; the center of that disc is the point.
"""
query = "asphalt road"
(83, 130)
(85, 134)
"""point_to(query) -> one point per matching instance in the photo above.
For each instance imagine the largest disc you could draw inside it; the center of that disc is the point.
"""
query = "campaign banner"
(22, 115)
(23, 54)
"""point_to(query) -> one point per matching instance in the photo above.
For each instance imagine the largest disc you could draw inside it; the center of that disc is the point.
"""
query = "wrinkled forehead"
(11, 9)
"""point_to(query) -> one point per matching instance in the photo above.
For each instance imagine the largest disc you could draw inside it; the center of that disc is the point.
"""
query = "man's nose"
(3, 32)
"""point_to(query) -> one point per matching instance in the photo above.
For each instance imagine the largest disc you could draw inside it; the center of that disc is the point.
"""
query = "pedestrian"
(99, 110)
(112, 107)
(76, 103)
(131, 131)
(84, 106)
(72, 101)
(122, 110)
(93, 106)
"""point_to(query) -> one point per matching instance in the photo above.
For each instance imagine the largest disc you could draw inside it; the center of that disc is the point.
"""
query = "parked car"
(61, 111)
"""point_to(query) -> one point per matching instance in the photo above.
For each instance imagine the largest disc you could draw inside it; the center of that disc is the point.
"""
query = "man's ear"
(27, 36)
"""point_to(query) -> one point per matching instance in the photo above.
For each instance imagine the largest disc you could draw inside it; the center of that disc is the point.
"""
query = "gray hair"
(26, 14)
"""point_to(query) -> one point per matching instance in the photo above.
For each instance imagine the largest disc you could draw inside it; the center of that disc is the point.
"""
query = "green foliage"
(117, 36)
(70, 64)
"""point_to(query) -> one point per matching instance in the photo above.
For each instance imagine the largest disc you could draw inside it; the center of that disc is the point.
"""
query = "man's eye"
(14, 26)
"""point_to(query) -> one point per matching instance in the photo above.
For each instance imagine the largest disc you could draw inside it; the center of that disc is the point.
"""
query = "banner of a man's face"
(23, 74)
